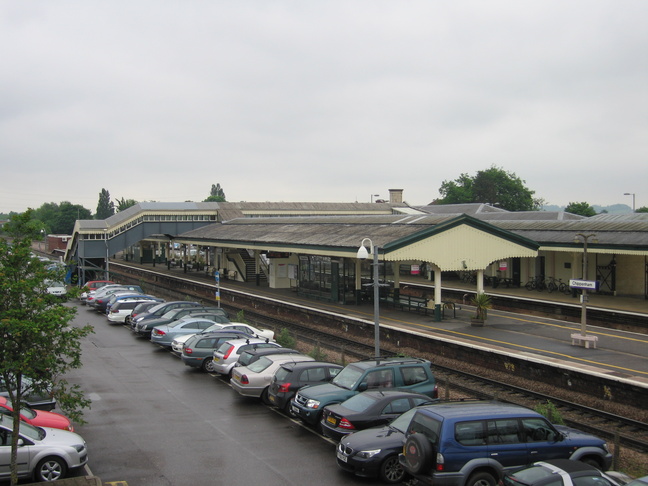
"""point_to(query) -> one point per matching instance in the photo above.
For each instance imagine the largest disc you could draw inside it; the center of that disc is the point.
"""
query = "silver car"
(227, 354)
(254, 380)
(44, 454)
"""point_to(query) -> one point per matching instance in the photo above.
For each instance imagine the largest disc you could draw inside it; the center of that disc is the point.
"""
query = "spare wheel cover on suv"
(418, 453)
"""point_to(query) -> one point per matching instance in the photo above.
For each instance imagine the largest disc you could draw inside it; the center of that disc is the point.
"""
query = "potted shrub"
(482, 303)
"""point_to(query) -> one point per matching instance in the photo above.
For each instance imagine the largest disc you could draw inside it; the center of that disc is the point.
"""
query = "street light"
(633, 199)
(362, 255)
(374, 195)
(584, 295)
(107, 254)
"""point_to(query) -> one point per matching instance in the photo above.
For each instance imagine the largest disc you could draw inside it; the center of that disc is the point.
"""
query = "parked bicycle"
(557, 284)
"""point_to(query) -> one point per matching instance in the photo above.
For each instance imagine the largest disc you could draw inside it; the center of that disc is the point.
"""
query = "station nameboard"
(583, 284)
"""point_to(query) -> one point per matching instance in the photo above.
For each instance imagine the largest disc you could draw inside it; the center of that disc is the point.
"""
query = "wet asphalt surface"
(156, 422)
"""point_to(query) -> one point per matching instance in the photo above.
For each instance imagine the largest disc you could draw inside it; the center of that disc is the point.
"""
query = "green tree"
(105, 207)
(37, 340)
(125, 203)
(581, 208)
(643, 209)
(216, 194)
(60, 218)
(493, 186)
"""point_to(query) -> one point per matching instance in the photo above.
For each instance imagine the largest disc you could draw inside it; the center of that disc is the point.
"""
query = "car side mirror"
(363, 386)
(21, 442)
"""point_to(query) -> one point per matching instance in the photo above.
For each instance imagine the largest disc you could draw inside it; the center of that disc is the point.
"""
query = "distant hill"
(613, 209)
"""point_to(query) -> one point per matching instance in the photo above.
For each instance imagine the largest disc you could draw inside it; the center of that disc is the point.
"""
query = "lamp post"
(633, 199)
(107, 254)
(362, 255)
(372, 196)
(42, 233)
(584, 295)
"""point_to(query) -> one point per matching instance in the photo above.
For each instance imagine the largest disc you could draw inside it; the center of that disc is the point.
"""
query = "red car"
(38, 418)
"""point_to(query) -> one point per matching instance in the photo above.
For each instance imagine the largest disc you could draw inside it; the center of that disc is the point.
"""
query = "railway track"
(624, 431)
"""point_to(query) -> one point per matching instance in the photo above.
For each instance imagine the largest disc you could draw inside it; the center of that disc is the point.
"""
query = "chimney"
(395, 196)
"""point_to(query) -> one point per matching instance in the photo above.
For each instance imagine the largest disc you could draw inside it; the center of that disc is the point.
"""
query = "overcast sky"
(320, 100)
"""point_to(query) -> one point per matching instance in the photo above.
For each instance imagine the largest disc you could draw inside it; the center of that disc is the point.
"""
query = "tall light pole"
(362, 255)
(584, 295)
(107, 255)
(633, 199)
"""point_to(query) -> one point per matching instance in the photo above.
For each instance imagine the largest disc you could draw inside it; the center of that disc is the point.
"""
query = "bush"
(550, 411)
(285, 339)
(240, 317)
(317, 354)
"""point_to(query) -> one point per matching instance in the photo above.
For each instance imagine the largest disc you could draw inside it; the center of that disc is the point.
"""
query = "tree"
(105, 207)
(123, 204)
(581, 208)
(60, 218)
(37, 342)
(492, 186)
(216, 194)
(643, 209)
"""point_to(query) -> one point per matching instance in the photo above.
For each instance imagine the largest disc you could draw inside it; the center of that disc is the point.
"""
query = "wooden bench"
(408, 302)
(578, 339)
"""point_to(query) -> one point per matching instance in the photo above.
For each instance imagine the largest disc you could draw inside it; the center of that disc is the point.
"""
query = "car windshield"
(359, 402)
(281, 374)
(401, 422)
(260, 364)
(214, 327)
(528, 476)
(348, 377)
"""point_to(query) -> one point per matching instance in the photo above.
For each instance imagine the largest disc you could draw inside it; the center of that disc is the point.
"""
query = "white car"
(120, 310)
(227, 354)
(178, 343)
(56, 288)
(254, 380)
(44, 453)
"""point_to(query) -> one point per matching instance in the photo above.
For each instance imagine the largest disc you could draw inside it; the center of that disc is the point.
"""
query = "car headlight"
(79, 447)
(367, 454)
(310, 403)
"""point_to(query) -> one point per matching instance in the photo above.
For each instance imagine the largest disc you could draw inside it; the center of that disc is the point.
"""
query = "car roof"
(264, 351)
(477, 409)
(371, 362)
(310, 364)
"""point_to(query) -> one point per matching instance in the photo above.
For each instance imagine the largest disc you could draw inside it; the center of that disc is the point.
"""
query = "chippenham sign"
(583, 284)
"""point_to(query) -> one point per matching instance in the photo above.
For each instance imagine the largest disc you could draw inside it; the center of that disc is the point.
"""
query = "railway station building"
(313, 247)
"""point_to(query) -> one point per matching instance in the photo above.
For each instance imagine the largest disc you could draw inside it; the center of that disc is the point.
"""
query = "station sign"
(583, 284)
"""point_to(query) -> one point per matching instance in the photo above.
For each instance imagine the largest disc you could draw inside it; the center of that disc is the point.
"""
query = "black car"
(161, 309)
(140, 308)
(368, 409)
(374, 452)
(290, 377)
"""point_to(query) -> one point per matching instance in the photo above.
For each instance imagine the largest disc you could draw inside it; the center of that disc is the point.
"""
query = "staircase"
(250, 274)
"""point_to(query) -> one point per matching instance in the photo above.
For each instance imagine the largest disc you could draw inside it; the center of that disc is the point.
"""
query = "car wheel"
(264, 396)
(591, 462)
(288, 410)
(418, 453)
(208, 365)
(50, 469)
(481, 479)
(391, 471)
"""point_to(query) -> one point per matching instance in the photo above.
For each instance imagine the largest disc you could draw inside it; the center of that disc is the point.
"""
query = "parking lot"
(157, 422)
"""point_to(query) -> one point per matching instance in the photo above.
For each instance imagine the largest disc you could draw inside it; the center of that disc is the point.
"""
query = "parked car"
(45, 454)
(121, 310)
(409, 374)
(37, 418)
(91, 286)
(368, 409)
(249, 356)
(163, 335)
(99, 292)
(56, 288)
(558, 472)
(198, 351)
(290, 377)
(253, 380)
(119, 296)
(39, 401)
(178, 343)
(227, 354)
(139, 309)
(374, 452)
(100, 303)
(473, 443)
(161, 309)
(144, 326)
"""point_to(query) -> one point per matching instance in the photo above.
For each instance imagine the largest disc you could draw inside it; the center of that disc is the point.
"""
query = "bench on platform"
(408, 302)
(578, 339)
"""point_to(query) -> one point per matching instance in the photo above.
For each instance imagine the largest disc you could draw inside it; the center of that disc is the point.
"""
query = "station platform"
(619, 354)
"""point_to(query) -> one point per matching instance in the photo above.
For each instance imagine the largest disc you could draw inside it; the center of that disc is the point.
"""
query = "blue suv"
(472, 443)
